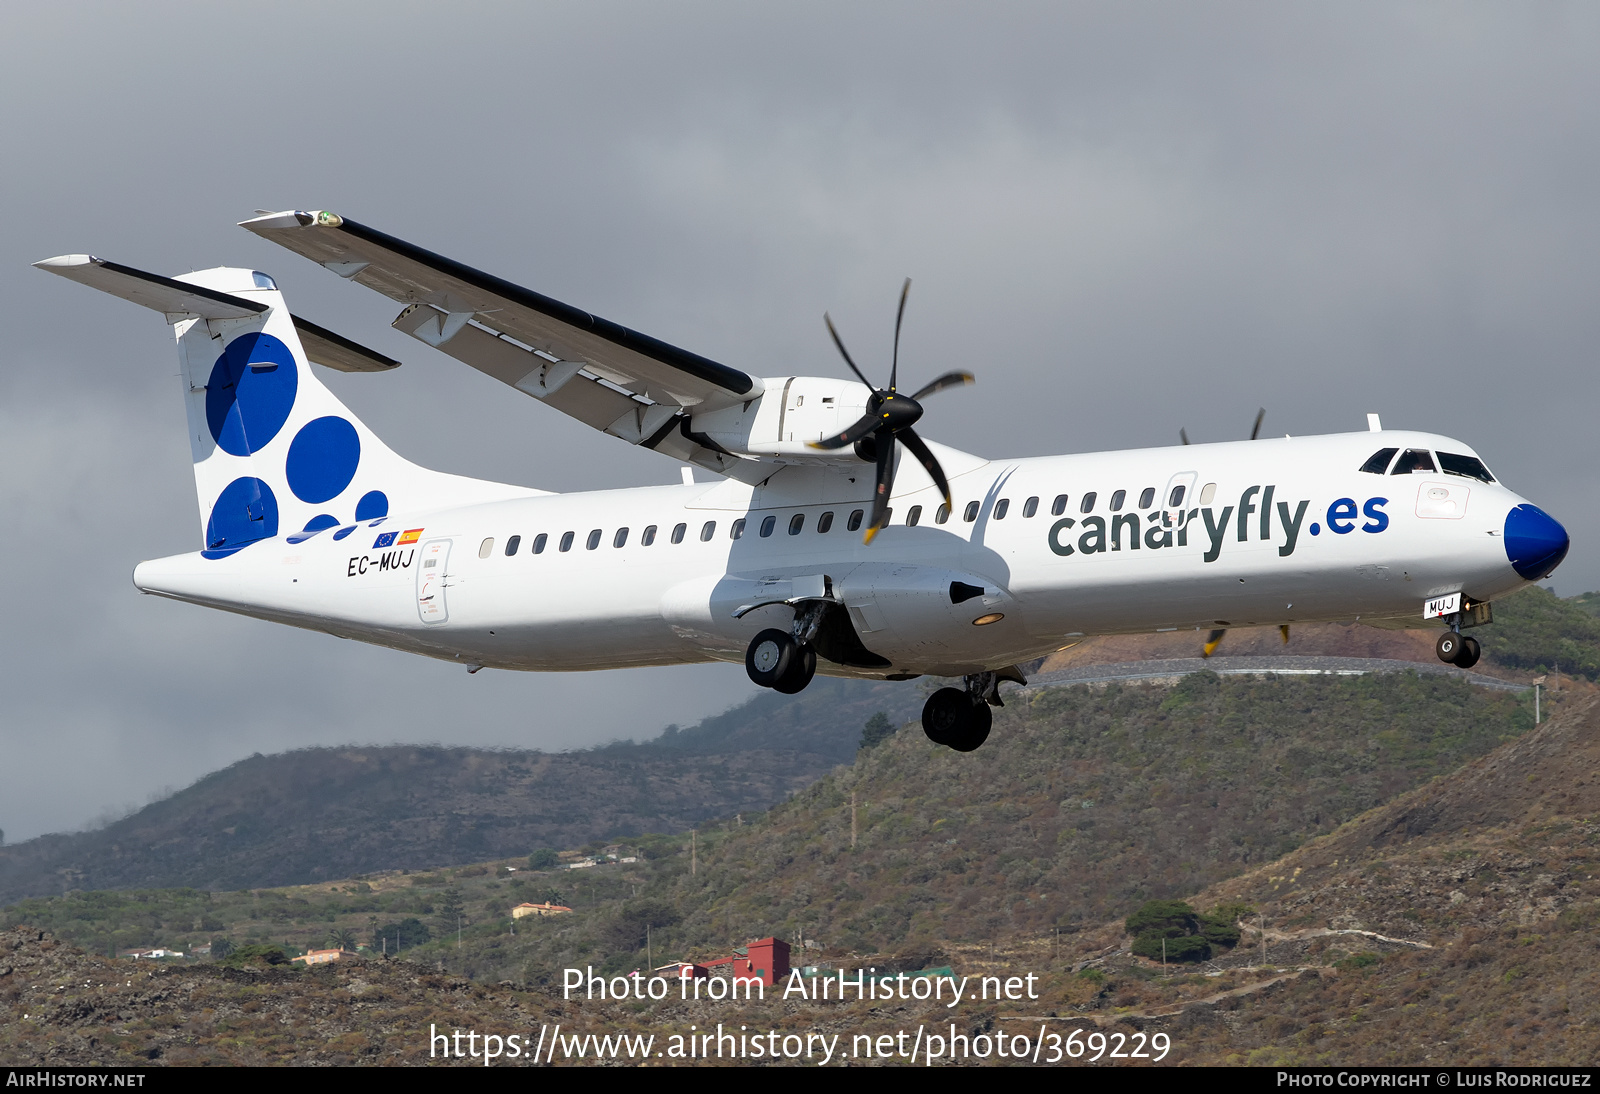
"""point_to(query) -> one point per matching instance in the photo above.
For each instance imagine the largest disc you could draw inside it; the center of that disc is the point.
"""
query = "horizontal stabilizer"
(162, 294)
(337, 352)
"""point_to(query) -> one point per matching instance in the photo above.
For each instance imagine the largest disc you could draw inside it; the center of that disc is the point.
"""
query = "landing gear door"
(431, 562)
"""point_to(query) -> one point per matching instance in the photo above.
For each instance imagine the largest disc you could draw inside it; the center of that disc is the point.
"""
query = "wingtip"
(293, 218)
(63, 262)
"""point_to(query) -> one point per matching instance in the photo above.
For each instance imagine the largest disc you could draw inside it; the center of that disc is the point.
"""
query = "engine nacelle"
(793, 411)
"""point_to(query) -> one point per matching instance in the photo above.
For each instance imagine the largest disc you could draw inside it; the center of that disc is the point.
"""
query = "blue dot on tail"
(250, 393)
(313, 526)
(322, 459)
(374, 503)
(345, 531)
(245, 511)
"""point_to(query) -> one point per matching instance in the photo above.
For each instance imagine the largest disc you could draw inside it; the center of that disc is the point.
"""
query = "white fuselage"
(1262, 536)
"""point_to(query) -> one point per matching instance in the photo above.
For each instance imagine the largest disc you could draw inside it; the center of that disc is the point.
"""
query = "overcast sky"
(1124, 218)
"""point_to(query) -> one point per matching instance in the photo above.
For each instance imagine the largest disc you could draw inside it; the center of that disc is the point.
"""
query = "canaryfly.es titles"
(1256, 515)
(837, 985)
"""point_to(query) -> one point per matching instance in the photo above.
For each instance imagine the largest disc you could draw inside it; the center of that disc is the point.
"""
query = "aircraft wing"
(609, 377)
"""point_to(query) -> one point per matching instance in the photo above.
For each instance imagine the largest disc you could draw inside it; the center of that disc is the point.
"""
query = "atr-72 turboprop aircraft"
(818, 547)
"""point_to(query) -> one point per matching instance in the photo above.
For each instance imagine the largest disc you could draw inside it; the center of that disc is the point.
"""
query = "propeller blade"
(1255, 430)
(1283, 629)
(884, 486)
(894, 363)
(909, 438)
(1213, 640)
(1183, 435)
(949, 379)
(858, 429)
(844, 352)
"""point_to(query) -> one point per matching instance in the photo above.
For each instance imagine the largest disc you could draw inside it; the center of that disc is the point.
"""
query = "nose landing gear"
(1456, 649)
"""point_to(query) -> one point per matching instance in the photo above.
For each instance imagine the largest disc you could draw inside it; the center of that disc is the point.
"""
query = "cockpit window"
(1378, 463)
(1470, 466)
(262, 281)
(1413, 459)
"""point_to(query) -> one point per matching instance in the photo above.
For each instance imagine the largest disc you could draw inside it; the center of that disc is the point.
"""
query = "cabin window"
(1177, 496)
(1413, 459)
(1207, 492)
(1470, 466)
(1117, 498)
(677, 533)
(737, 531)
(594, 539)
(1087, 504)
(566, 540)
(971, 513)
(767, 525)
(486, 548)
(512, 544)
(648, 536)
(854, 523)
(796, 523)
(1001, 508)
(1378, 462)
(913, 516)
(1147, 497)
(707, 530)
(825, 522)
(1058, 506)
(538, 543)
(1030, 507)
(941, 514)
(620, 539)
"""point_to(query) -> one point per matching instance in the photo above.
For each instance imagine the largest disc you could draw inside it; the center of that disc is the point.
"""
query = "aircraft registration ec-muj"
(818, 547)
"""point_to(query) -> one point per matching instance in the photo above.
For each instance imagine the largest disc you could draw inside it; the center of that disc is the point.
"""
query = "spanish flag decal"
(411, 535)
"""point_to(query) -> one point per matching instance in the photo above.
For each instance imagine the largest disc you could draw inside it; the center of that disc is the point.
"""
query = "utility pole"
(852, 819)
(1263, 921)
(694, 853)
(648, 958)
(1538, 681)
(1163, 951)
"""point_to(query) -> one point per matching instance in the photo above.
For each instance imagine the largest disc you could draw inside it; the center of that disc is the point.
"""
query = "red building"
(765, 959)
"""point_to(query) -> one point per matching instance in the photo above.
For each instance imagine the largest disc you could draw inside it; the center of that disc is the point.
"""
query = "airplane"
(818, 547)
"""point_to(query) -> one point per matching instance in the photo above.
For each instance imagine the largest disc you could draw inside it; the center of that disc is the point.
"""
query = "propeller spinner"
(889, 418)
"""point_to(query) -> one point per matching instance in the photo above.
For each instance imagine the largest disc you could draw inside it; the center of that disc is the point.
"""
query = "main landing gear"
(785, 661)
(960, 718)
(776, 660)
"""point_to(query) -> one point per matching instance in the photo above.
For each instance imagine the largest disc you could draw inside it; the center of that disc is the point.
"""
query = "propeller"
(1214, 639)
(889, 418)
(1255, 430)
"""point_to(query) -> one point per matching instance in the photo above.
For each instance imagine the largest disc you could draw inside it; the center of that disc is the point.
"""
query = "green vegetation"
(877, 730)
(1170, 930)
(1537, 631)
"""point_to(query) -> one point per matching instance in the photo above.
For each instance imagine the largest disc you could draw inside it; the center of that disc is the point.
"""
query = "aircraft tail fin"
(275, 452)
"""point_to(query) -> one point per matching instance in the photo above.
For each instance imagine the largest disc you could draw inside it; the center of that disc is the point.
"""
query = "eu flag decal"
(385, 539)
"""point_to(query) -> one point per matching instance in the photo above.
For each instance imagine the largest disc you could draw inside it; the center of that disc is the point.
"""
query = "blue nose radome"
(1535, 542)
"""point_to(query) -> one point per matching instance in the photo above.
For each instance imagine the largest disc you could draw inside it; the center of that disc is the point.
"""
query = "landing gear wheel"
(956, 719)
(802, 667)
(770, 657)
(1470, 652)
(1448, 647)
